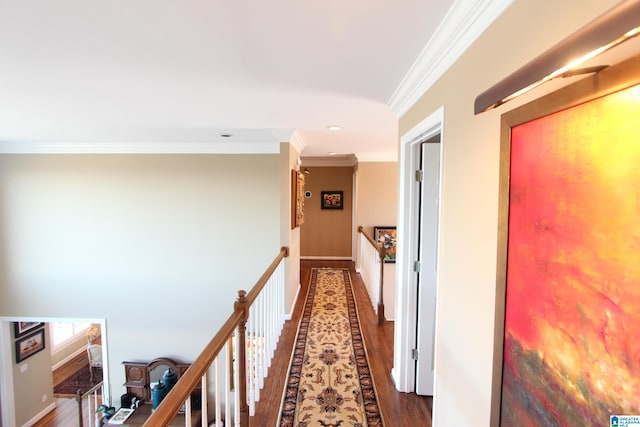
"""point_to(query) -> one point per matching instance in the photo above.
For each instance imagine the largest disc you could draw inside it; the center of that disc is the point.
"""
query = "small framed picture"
(386, 236)
(121, 416)
(23, 328)
(332, 199)
(29, 345)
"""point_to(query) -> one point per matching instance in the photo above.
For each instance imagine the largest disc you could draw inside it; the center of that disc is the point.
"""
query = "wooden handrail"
(369, 238)
(171, 404)
(382, 253)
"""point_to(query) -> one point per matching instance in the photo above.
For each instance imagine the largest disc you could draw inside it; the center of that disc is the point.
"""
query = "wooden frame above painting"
(567, 305)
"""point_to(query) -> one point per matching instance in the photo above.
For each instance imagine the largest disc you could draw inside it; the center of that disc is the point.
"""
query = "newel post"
(383, 252)
(79, 400)
(241, 305)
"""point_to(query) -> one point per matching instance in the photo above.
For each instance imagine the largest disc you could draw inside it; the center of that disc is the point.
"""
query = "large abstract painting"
(571, 342)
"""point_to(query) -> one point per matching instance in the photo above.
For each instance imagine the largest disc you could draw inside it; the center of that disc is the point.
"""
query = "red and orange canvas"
(572, 321)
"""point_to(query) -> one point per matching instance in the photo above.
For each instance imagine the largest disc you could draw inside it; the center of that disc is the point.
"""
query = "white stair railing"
(232, 367)
(93, 397)
(370, 264)
(266, 319)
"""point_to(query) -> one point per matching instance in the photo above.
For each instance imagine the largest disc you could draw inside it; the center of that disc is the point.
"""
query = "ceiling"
(124, 73)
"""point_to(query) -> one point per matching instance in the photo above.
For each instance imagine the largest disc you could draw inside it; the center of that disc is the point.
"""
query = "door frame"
(404, 367)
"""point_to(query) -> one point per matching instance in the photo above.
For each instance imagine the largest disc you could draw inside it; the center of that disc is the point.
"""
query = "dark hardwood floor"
(398, 409)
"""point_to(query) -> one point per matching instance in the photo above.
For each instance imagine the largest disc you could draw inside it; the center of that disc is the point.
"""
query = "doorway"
(427, 263)
(415, 345)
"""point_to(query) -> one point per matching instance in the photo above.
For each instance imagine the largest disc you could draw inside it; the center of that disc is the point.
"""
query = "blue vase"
(170, 378)
(158, 392)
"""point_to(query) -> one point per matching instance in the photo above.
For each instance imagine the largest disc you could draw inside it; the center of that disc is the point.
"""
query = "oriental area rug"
(80, 380)
(329, 382)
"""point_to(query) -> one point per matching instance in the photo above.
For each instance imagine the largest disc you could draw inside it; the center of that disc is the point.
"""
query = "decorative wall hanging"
(568, 302)
(297, 199)
(23, 328)
(386, 236)
(29, 345)
(332, 200)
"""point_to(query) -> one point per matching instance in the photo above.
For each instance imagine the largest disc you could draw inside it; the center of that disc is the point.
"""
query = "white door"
(427, 267)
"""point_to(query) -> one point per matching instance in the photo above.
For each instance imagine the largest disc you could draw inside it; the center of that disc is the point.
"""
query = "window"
(63, 333)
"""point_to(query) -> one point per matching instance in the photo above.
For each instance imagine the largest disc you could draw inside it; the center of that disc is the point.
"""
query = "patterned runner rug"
(330, 383)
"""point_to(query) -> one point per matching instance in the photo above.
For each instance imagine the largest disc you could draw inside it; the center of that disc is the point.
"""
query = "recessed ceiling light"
(332, 153)
(226, 135)
(334, 128)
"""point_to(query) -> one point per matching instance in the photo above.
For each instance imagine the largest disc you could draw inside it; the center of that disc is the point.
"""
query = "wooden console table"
(142, 413)
(139, 377)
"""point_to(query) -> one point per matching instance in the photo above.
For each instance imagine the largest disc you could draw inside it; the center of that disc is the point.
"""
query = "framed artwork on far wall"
(22, 328)
(332, 200)
(386, 236)
(29, 345)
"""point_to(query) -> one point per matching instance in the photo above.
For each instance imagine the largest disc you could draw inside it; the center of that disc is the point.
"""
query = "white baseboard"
(293, 304)
(69, 358)
(394, 378)
(40, 415)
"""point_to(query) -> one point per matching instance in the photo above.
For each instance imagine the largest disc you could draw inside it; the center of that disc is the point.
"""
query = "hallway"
(398, 409)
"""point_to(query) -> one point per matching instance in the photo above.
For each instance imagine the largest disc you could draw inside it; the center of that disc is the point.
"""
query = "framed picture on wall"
(22, 328)
(29, 345)
(297, 199)
(332, 200)
(386, 236)
(567, 303)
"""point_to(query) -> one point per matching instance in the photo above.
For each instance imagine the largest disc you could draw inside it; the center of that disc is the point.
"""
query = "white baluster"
(187, 412)
(236, 376)
(204, 395)
(251, 355)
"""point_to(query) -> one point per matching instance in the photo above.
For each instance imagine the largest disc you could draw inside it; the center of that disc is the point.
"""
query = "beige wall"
(377, 205)
(326, 233)
(157, 245)
(33, 383)
(467, 259)
(377, 202)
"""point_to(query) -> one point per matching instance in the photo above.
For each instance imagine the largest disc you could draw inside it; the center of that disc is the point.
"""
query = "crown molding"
(462, 25)
(139, 147)
(297, 142)
(339, 160)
